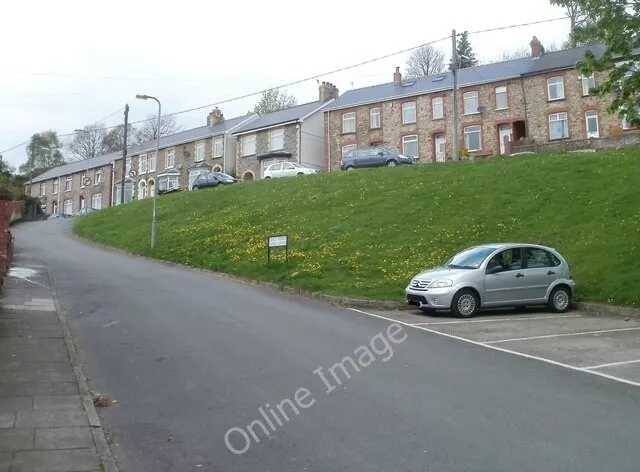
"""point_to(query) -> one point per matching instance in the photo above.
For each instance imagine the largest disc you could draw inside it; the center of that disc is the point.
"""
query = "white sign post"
(278, 241)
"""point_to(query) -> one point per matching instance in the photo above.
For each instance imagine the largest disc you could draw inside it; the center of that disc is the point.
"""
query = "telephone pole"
(124, 152)
(454, 70)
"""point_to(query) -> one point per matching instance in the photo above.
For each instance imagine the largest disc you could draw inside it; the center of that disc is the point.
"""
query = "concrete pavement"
(190, 356)
(44, 425)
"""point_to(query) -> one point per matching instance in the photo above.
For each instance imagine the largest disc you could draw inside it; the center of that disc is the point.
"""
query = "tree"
(576, 16)
(616, 24)
(516, 54)
(89, 142)
(114, 139)
(43, 153)
(466, 56)
(274, 100)
(425, 60)
(149, 131)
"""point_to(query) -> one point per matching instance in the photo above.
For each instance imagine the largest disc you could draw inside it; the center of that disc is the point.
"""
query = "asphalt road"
(190, 355)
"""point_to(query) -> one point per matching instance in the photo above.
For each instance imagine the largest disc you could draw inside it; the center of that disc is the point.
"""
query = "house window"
(471, 104)
(374, 118)
(200, 151)
(473, 138)
(408, 112)
(68, 207)
(128, 165)
(591, 119)
(437, 108)
(96, 201)
(67, 184)
(83, 178)
(588, 82)
(170, 159)
(349, 122)
(558, 126)
(410, 145)
(502, 101)
(152, 162)
(56, 185)
(142, 168)
(249, 145)
(276, 139)
(128, 193)
(43, 189)
(555, 87)
(97, 177)
(627, 122)
(168, 182)
(347, 148)
(217, 147)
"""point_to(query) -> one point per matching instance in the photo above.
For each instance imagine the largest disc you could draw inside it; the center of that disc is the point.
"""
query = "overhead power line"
(499, 28)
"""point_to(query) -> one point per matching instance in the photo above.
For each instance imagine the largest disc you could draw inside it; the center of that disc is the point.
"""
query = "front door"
(505, 137)
(440, 148)
(504, 279)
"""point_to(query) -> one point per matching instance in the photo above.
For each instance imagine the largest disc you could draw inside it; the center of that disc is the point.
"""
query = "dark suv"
(374, 156)
(212, 179)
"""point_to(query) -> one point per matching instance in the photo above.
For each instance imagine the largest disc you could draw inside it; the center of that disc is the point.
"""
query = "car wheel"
(392, 163)
(195, 187)
(300, 173)
(267, 177)
(465, 303)
(349, 167)
(560, 299)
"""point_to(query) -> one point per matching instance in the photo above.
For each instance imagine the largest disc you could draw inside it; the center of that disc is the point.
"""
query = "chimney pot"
(215, 117)
(537, 49)
(397, 77)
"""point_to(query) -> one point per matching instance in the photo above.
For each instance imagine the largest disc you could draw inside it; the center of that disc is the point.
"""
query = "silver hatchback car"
(495, 275)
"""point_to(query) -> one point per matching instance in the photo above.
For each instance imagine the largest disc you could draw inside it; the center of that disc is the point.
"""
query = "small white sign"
(277, 241)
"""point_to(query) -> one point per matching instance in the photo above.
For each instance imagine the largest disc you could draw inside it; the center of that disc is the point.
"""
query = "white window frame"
(589, 115)
(142, 164)
(169, 181)
(170, 159)
(407, 109)
(557, 118)
(43, 189)
(200, 151)
(276, 139)
(218, 147)
(68, 202)
(248, 145)
(83, 177)
(97, 177)
(502, 91)
(410, 139)
(468, 100)
(348, 147)
(93, 201)
(152, 162)
(437, 103)
(349, 122)
(56, 186)
(587, 80)
(375, 121)
(470, 130)
(559, 84)
(68, 184)
(128, 165)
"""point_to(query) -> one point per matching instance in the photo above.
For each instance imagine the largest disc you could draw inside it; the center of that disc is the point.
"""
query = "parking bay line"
(612, 364)
(501, 349)
(561, 335)
(493, 320)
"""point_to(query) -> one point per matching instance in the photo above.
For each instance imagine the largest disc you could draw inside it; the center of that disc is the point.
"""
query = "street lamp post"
(155, 184)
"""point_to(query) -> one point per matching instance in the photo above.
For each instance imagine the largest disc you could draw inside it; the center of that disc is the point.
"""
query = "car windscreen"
(470, 258)
(222, 175)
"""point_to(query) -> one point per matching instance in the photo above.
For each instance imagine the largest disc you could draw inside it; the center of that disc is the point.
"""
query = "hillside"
(365, 233)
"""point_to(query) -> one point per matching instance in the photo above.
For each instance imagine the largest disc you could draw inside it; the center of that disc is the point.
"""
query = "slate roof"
(466, 77)
(279, 117)
(171, 140)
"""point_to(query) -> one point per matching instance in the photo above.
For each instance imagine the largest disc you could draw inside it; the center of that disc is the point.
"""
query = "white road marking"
(497, 319)
(612, 364)
(111, 324)
(501, 349)
(561, 335)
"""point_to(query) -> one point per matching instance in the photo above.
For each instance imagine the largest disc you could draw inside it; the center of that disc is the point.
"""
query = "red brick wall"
(7, 210)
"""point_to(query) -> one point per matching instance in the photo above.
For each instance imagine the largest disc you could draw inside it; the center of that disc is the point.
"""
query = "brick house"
(71, 187)
(293, 135)
(542, 97)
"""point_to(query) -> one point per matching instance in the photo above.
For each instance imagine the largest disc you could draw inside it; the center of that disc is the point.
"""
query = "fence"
(595, 144)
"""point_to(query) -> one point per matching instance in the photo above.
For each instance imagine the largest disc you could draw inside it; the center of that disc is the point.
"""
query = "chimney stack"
(397, 77)
(537, 49)
(215, 117)
(327, 91)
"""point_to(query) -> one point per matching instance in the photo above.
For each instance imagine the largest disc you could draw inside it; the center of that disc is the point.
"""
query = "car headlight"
(442, 283)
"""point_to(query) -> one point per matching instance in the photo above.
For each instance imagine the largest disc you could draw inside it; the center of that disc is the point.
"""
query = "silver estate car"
(495, 275)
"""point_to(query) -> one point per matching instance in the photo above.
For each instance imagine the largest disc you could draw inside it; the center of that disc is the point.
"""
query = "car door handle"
(550, 272)
(519, 275)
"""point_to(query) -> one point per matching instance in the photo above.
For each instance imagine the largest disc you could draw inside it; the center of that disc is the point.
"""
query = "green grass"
(365, 233)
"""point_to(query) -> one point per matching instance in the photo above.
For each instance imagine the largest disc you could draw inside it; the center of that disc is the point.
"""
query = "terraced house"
(541, 98)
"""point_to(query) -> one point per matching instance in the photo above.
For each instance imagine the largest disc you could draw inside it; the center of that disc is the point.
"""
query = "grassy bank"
(365, 233)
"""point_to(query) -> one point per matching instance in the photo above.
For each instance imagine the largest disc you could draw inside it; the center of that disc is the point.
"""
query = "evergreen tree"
(466, 56)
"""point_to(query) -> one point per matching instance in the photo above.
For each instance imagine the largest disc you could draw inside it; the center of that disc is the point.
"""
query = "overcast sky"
(67, 63)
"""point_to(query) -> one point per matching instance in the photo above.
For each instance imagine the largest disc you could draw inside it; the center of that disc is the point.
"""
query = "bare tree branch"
(426, 60)
(517, 54)
(274, 100)
(89, 142)
(149, 131)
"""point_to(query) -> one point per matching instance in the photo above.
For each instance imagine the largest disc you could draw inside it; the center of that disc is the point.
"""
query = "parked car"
(374, 156)
(287, 169)
(84, 211)
(212, 179)
(495, 275)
